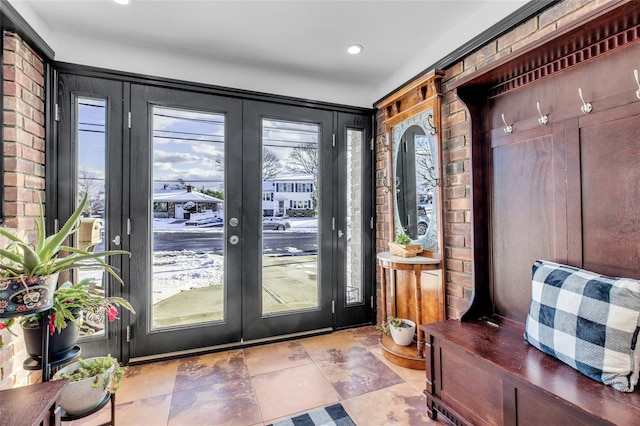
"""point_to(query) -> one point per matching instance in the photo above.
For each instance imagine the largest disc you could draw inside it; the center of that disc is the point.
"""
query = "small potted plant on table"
(403, 246)
(401, 330)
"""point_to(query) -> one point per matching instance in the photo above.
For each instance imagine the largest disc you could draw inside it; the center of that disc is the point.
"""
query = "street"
(274, 242)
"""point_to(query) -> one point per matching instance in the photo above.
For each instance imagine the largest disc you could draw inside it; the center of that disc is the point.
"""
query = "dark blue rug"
(327, 416)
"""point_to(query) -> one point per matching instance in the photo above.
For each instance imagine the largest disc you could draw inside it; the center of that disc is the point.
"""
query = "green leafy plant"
(403, 239)
(393, 322)
(95, 368)
(46, 256)
(69, 299)
(23, 259)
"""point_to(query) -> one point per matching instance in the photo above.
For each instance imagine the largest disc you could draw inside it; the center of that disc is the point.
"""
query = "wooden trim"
(561, 48)
(527, 11)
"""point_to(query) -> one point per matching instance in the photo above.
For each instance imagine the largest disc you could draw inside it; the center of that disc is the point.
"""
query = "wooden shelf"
(404, 356)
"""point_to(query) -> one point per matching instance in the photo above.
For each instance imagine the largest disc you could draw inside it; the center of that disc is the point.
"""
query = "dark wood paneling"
(523, 220)
(469, 385)
(610, 171)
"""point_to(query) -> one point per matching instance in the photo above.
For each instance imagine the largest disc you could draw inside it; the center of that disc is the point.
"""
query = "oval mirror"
(415, 179)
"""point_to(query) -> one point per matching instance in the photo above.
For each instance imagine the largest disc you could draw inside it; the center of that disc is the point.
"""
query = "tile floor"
(262, 384)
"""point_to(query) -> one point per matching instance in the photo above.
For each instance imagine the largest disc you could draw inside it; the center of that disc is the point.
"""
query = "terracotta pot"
(22, 296)
(59, 343)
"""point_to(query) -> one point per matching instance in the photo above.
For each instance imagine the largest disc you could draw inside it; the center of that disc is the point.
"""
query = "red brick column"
(23, 148)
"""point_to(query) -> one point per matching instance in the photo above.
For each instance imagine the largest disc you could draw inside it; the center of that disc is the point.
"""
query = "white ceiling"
(294, 48)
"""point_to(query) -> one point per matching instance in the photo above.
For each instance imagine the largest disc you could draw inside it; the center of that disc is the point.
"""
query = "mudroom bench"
(484, 372)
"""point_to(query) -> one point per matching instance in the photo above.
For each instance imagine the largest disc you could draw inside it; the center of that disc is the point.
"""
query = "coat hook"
(432, 129)
(508, 128)
(586, 106)
(635, 73)
(544, 119)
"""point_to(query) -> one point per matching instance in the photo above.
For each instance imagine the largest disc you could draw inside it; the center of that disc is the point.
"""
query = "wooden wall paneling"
(610, 192)
(523, 219)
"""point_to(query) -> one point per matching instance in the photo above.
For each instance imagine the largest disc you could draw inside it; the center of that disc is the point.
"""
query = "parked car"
(424, 217)
(275, 223)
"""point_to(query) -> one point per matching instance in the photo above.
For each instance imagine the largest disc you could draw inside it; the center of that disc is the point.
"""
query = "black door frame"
(361, 118)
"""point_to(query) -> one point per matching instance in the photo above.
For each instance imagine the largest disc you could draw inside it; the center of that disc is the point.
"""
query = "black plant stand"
(45, 365)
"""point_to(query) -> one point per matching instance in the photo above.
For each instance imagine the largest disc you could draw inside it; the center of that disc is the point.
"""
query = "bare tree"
(425, 168)
(93, 187)
(270, 164)
(304, 158)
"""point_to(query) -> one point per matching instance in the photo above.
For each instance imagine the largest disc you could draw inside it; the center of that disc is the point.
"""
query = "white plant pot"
(403, 336)
(81, 396)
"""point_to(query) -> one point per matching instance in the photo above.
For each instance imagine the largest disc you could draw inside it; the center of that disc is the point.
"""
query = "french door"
(246, 220)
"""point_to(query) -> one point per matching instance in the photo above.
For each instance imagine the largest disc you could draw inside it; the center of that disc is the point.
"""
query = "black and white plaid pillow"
(587, 320)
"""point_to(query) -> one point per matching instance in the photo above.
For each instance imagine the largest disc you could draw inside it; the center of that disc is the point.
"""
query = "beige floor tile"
(282, 393)
(358, 373)
(275, 356)
(416, 378)
(148, 380)
(149, 411)
(330, 346)
(209, 369)
(399, 405)
(229, 403)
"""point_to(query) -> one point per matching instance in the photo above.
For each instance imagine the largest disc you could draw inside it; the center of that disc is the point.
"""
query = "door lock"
(116, 240)
(233, 240)
(340, 233)
(233, 221)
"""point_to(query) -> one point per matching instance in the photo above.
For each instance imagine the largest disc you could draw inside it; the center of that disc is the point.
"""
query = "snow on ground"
(179, 270)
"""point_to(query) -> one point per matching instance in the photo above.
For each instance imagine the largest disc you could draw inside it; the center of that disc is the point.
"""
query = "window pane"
(290, 217)
(354, 287)
(91, 144)
(188, 214)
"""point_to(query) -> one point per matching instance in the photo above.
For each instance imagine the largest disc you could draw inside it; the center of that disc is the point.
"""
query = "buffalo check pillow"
(587, 320)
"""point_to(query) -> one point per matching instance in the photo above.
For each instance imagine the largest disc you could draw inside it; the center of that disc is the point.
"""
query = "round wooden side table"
(407, 356)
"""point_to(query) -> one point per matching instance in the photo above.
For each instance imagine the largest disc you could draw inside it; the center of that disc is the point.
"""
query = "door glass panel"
(354, 232)
(91, 141)
(290, 206)
(188, 217)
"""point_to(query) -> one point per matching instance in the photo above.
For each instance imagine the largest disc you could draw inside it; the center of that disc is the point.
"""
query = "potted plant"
(401, 330)
(403, 246)
(90, 381)
(70, 302)
(29, 271)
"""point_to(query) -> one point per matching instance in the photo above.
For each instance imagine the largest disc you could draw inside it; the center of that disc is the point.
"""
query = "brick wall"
(23, 149)
(456, 133)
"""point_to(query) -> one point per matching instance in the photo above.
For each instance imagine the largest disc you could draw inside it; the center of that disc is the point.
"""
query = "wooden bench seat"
(485, 373)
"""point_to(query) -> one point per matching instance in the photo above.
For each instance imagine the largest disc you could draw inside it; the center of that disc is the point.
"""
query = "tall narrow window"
(354, 287)
(92, 173)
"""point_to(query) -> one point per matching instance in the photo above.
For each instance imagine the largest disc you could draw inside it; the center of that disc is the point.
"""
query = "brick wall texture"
(456, 139)
(23, 148)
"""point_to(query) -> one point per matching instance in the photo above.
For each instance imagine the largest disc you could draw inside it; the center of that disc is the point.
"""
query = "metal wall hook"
(635, 73)
(432, 129)
(586, 106)
(508, 128)
(544, 119)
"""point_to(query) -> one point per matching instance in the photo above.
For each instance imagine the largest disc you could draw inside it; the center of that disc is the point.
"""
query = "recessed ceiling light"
(354, 49)
(122, 1)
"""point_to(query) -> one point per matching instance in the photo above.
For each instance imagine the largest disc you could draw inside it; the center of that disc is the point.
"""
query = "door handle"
(340, 233)
(116, 240)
